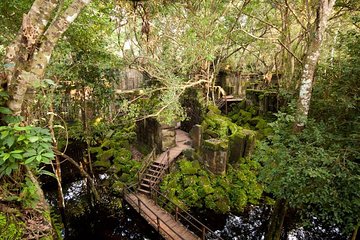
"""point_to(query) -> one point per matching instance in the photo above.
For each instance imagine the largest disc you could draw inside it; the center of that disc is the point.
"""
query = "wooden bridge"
(169, 219)
(224, 100)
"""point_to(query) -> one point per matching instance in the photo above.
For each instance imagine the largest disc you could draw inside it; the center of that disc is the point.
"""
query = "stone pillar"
(196, 136)
(215, 155)
(168, 137)
(241, 144)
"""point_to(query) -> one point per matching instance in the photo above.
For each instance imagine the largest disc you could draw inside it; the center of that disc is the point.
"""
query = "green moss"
(219, 193)
(117, 187)
(124, 177)
(216, 144)
(218, 126)
(11, 228)
(102, 164)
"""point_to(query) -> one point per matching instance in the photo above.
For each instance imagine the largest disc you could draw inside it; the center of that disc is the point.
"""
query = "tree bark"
(28, 56)
(277, 220)
(311, 60)
(82, 171)
(355, 232)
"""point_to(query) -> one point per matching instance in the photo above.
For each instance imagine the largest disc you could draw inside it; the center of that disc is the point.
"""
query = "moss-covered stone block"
(117, 187)
(216, 144)
(215, 155)
(124, 177)
(102, 164)
(190, 180)
(236, 146)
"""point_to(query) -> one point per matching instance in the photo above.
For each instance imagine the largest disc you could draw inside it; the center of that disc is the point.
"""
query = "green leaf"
(17, 156)
(21, 137)
(38, 158)
(45, 160)
(34, 139)
(49, 155)
(19, 129)
(9, 141)
(4, 94)
(8, 171)
(17, 151)
(29, 160)
(6, 156)
(4, 134)
(59, 126)
(5, 110)
(44, 172)
(30, 153)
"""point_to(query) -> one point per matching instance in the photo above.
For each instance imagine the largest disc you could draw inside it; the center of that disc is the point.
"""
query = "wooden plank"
(151, 212)
(181, 138)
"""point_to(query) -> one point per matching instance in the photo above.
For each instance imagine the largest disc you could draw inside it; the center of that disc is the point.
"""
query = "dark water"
(252, 224)
(104, 221)
(101, 224)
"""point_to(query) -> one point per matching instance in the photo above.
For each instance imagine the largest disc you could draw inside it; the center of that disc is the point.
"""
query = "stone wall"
(131, 79)
(267, 101)
(215, 155)
(241, 144)
(152, 133)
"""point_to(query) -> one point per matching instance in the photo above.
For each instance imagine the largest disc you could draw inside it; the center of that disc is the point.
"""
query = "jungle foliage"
(191, 186)
(179, 46)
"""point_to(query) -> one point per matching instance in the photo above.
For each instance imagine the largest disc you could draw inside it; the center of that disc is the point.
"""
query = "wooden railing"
(141, 206)
(183, 216)
(178, 213)
(158, 175)
(146, 163)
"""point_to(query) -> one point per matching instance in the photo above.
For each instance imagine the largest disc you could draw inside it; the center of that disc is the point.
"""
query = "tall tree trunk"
(311, 60)
(355, 233)
(277, 220)
(28, 56)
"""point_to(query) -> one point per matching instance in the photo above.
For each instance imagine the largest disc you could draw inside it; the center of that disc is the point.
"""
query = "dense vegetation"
(79, 75)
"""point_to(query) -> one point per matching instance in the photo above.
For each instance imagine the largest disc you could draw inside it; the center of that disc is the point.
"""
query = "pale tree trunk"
(323, 12)
(29, 54)
(311, 60)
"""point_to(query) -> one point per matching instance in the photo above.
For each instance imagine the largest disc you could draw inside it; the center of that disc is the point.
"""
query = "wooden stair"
(152, 177)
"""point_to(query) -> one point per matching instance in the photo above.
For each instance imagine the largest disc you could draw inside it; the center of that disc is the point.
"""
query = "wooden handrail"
(204, 230)
(180, 214)
(158, 219)
(158, 175)
(146, 163)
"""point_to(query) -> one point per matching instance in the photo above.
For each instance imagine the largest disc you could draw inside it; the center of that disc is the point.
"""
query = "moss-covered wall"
(215, 155)
(10, 227)
(152, 133)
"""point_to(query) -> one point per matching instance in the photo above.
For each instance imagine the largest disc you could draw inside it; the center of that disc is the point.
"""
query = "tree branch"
(82, 171)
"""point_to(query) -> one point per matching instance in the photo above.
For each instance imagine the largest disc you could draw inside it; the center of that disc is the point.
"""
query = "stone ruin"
(216, 153)
(152, 133)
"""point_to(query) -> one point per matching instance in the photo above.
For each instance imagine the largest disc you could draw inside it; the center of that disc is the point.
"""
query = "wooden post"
(226, 110)
(156, 199)
(168, 160)
(158, 223)
(176, 213)
(203, 233)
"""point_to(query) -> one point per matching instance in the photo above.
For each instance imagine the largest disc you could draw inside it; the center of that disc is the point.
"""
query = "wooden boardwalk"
(146, 200)
(161, 220)
(183, 141)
